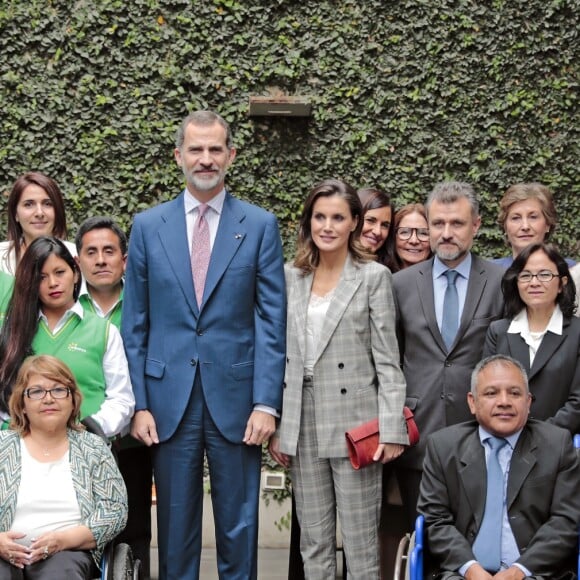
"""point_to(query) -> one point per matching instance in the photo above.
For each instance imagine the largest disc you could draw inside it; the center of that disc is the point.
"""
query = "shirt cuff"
(523, 569)
(466, 567)
(266, 409)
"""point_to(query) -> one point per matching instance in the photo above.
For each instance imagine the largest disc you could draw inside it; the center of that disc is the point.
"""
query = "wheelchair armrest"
(416, 559)
(93, 427)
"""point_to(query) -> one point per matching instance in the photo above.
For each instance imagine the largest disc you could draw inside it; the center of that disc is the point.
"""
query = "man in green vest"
(102, 253)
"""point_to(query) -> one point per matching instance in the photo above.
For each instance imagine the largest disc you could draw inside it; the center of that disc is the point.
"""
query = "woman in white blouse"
(62, 497)
(342, 370)
(35, 208)
(541, 332)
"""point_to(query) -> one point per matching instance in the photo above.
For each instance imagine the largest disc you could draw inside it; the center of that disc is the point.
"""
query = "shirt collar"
(76, 308)
(463, 268)
(216, 203)
(519, 323)
(511, 439)
(85, 293)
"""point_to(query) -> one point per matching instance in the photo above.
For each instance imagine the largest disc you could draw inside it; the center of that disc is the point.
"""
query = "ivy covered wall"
(405, 93)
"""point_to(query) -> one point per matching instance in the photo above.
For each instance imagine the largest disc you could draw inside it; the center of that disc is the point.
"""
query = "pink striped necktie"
(200, 252)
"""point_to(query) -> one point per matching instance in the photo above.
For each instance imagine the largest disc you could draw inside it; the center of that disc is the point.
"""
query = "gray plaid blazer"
(356, 371)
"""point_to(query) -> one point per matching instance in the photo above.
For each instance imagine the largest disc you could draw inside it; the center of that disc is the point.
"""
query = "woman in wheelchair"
(62, 497)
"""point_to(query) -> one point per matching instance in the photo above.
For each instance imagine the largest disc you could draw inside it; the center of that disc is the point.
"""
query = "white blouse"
(46, 497)
(317, 309)
(519, 325)
(8, 257)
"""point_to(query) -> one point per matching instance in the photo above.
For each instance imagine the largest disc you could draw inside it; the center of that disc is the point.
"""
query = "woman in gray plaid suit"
(342, 370)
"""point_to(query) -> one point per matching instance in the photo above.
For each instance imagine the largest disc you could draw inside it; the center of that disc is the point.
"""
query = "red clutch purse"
(362, 441)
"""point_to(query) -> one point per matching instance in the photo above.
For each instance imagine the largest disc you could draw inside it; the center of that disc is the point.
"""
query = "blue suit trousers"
(234, 471)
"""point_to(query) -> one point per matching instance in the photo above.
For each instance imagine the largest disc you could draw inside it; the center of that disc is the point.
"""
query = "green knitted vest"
(81, 345)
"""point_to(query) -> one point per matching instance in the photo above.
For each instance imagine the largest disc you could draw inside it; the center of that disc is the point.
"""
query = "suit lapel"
(298, 298)
(173, 237)
(549, 345)
(427, 298)
(475, 286)
(347, 286)
(522, 462)
(473, 476)
(229, 237)
(519, 350)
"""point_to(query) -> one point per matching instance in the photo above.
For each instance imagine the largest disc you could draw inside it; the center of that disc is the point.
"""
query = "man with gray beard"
(204, 327)
(444, 306)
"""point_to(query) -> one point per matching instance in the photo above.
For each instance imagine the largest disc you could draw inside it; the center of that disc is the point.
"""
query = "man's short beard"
(450, 256)
(205, 184)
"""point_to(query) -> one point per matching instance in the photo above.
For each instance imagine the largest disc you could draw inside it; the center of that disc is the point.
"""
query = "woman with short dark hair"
(541, 332)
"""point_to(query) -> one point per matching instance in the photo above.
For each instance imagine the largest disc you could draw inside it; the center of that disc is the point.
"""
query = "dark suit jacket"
(555, 375)
(542, 496)
(237, 336)
(438, 380)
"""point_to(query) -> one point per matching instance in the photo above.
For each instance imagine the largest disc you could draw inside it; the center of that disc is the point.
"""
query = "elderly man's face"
(502, 404)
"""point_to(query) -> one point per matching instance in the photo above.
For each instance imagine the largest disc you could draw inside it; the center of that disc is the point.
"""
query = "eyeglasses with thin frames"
(38, 393)
(407, 233)
(544, 276)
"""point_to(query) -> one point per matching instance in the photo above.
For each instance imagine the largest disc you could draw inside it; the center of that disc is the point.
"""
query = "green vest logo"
(73, 346)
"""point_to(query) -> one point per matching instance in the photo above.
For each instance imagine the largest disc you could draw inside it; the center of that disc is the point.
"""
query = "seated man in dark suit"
(500, 494)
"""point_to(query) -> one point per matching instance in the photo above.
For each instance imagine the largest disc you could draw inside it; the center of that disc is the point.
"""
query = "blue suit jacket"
(236, 337)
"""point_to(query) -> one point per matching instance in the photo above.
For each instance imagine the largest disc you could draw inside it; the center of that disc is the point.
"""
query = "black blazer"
(555, 375)
(542, 497)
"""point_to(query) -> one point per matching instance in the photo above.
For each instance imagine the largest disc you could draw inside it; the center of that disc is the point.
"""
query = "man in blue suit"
(207, 363)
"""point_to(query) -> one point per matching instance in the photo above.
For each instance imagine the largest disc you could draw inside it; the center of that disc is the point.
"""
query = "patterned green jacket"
(97, 482)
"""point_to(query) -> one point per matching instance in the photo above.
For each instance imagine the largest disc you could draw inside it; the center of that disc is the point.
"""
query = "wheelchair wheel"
(123, 563)
(107, 563)
(408, 558)
(401, 559)
(136, 570)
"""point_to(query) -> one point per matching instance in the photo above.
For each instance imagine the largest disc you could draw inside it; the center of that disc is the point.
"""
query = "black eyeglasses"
(407, 233)
(542, 276)
(37, 393)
